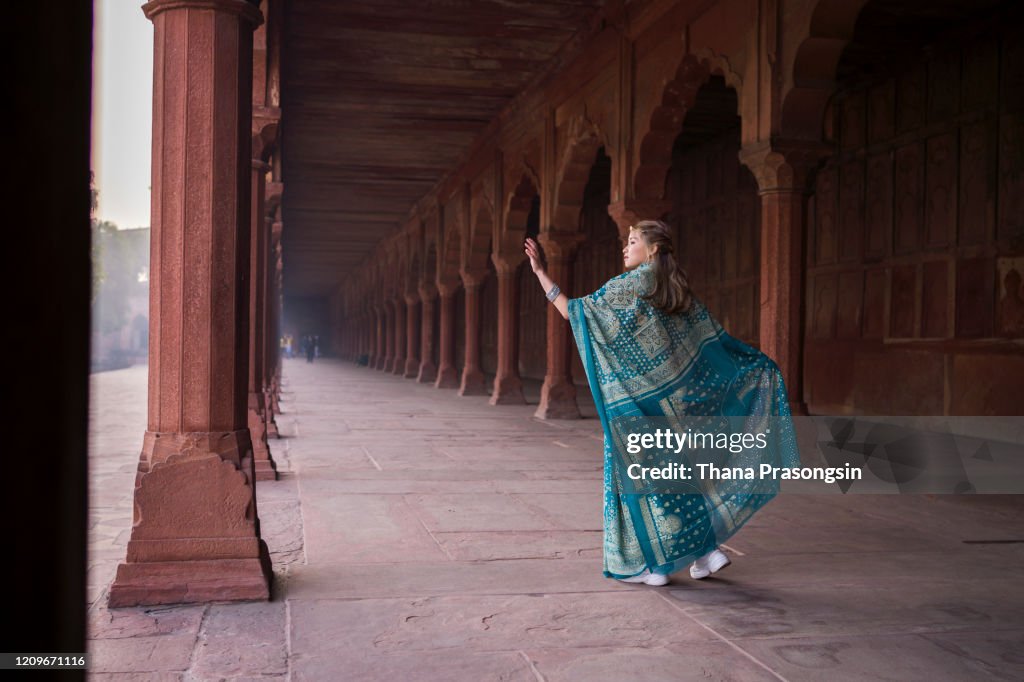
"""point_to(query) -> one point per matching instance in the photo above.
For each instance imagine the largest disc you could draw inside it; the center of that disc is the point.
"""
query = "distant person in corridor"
(652, 350)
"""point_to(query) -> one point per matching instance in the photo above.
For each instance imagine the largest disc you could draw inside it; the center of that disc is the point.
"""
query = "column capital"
(447, 287)
(260, 166)
(472, 278)
(783, 165)
(411, 299)
(427, 291)
(507, 264)
(560, 245)
(631, 211)
(243, 9)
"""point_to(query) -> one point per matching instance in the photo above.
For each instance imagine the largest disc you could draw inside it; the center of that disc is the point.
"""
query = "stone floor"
(417, 535)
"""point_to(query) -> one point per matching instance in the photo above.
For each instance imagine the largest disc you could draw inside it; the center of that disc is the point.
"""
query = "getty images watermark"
(819, 455)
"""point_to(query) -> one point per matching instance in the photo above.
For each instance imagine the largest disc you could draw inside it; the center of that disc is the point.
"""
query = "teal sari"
(685, 370)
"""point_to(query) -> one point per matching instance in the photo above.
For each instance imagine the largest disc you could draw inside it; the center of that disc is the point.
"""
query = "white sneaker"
(712, 562)
(648, 578)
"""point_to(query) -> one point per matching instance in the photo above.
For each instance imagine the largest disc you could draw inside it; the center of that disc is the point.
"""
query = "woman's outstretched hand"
(533, 252)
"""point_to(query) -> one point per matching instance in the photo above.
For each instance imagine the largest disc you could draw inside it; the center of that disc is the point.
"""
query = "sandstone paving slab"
(361, 528)
(327, 664)
(1000, 652)
(182, 619)
(242, 640)
(870, 609)
(166, 653)
(526, 576)
(135, 677)
(696, 661)
(477, 511)
(910, 658)
(575, 511)
(490, 545)
(627, 619)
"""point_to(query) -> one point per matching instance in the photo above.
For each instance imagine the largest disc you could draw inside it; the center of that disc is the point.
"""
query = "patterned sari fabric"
(645, 367)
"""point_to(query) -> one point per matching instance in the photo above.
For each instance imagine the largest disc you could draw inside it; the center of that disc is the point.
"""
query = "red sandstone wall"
(916, 224)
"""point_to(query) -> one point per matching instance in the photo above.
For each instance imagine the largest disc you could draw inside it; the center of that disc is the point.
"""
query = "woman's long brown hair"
(671, 292)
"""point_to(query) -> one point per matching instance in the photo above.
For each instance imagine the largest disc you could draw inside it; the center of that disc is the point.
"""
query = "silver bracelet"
(553, 293)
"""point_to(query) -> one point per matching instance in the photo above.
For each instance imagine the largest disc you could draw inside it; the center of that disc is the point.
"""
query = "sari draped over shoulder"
(642, 363)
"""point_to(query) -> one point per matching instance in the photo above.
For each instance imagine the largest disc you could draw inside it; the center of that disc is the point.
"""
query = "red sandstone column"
(266, 470)
(379, 332)
(428, 370)
(508, 387)
(447, 375)
(781, 171)
(272, 345)
(195, 535)
(412, 347)
(558, 394)
(473, 381)
(389, 336)
(398, 365)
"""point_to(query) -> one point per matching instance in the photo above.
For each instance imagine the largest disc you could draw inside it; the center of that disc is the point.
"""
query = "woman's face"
(636, 251)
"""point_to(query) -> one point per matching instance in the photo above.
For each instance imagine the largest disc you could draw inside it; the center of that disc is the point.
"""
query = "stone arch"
(517, 212)
(480, 238)
(678, 97)
(830, 27)
(264, 141)
(573, 172)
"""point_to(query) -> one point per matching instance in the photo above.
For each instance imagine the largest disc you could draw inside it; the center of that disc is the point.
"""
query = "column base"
(398, 367)
(380, 363)
(447, 377)
(180, 582)
(266, 469)
(473, 383)
(557, 400)
(262, 457)
(508, 390)
(412, 368)
(427, 373)
(388, 363)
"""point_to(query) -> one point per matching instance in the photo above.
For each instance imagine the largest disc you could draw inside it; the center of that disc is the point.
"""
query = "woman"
(654, 356)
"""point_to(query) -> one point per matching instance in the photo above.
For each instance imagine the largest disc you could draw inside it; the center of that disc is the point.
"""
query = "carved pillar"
(389, 336)
(273, 371)
(412, 345)
(782, 170)
(473, 381)
(272, 336)
(195, 535)
(447, 375)
(558, 394)
(428, 370)
(258, 276)
(398, 366)
(379, 335)
(508, 387)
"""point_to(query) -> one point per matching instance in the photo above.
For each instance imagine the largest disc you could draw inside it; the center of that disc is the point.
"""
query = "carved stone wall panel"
(1010, 221)
(874, 304)
(980, 86)
(849, 308)
(975, 297)
(878, 211)
(852, 120)
(908, 188)
(851, 210)
(940, 190)
(903, 302)
(825, 201)
(824, 297)
(882, 112)
(935, 299)
(976, 204)
(943, 85)
(910, 103)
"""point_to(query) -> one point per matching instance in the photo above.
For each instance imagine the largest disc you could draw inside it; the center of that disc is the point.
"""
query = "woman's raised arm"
(560, 300)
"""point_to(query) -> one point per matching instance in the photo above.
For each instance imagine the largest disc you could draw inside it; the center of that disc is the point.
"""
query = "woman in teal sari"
(654, 356)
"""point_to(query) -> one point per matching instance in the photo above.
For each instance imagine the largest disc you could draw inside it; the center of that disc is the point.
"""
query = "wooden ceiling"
(380, 100)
